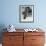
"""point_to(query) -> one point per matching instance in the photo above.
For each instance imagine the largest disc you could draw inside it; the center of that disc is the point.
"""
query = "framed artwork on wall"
(26, 13)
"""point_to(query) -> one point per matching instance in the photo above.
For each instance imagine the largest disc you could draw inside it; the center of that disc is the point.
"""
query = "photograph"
(26, 13)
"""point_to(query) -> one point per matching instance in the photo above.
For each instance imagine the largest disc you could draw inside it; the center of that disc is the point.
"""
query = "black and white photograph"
(26, 13)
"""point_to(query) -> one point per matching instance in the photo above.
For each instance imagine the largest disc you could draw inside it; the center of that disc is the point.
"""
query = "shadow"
(2, 26)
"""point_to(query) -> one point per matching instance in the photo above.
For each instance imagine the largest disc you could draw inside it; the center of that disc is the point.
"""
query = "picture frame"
(26, 13)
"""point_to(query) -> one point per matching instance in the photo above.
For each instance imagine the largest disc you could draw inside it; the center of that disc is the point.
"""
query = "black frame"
(20, 6)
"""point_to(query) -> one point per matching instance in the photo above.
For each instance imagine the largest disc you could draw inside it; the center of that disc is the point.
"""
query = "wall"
(9, 13)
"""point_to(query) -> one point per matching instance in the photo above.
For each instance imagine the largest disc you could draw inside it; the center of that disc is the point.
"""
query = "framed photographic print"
(26, 13)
